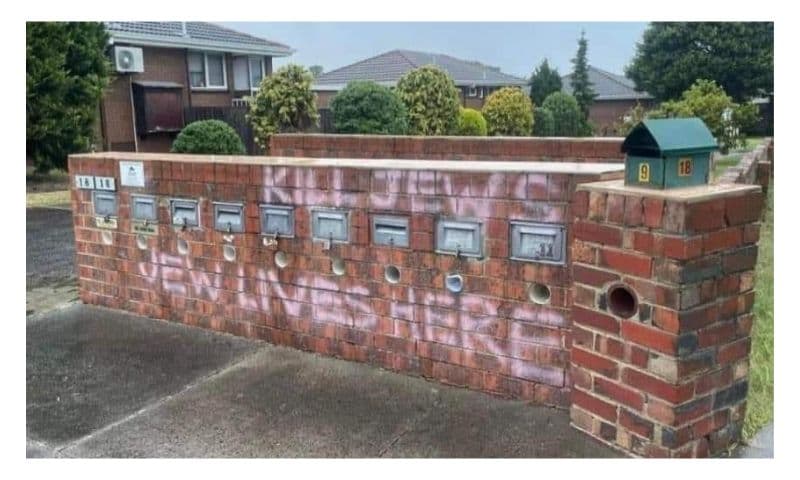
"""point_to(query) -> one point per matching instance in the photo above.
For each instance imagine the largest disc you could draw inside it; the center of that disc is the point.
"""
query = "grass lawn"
(760, 398)
(58, 198)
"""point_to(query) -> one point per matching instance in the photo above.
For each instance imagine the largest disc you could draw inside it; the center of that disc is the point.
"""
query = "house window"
(481, 90)
(256, 72)
(472, 92)
(207, 70)
(247, 73)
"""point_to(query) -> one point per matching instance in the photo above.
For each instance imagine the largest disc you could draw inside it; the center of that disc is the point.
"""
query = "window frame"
(472, 91)
(254, 88)
(208, 86)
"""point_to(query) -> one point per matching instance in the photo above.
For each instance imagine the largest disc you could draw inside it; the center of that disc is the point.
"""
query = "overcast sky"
(514, 47)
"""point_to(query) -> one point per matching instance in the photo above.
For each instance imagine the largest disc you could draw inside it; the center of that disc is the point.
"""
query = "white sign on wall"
(84, 181)
(131, 174)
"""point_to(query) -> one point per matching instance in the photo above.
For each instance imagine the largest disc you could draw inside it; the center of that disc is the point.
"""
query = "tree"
(316, 70)
(284, 103)
(543, 122)
(509, 111)
(543, 82)
(431, 99)
(471, 123)
(738, 56)
(209, 137)
(567, 118)
(581, 86)
(727, 120)
(66, 73)
(366, 107)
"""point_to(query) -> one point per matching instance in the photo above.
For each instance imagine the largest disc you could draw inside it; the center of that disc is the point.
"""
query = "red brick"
(705, 216)
(597, 206)
(595, 319)
(626, 262)
(734, 351)
(681, 248)
(598, 233)
(649, 337)
(594, 405)
(594, 362)
(744, 209)
(592, 276)
(615, 205)
(633, 211)
(636, 424)
(722, 240)
(717, 334)
(653, 212)
(619, 393)
(659, 388)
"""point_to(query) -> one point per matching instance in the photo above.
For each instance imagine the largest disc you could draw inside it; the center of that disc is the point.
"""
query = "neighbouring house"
(171, 73)
(475, 81)
(616, 95)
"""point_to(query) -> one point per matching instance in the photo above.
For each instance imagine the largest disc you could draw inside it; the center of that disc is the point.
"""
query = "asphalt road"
(50, 247)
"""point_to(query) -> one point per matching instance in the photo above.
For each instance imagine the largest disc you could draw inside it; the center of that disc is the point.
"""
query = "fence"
(235, 116)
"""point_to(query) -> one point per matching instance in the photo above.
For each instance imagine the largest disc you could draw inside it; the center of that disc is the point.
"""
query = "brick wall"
(448, 148)
(755, 167)
(490, 337)
(665, 374)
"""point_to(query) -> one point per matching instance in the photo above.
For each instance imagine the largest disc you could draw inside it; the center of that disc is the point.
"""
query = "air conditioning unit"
(128, 59)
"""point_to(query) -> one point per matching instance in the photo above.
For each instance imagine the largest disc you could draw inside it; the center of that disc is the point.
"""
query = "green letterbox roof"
(669, 137)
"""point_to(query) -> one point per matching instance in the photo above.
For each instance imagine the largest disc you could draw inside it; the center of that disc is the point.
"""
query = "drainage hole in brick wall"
(183, 246)
(337, 265)
(141, 242)
(622, 301)
(107, 237)
(392, 274)
(539, 293)
(454, 282)
(281, 259)
(229, 252)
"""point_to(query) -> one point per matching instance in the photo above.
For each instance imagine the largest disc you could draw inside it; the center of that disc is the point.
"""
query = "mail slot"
(390, 230)
(105, 204)
(330, 225)
(228, 217)
(144, 207)
(537, 242)
(277, 220)
(184, 212)
(462, 237)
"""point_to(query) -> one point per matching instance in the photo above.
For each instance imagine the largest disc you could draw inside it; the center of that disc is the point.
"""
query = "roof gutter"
(192, 43)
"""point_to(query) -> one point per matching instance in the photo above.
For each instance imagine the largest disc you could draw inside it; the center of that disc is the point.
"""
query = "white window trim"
(472, 91)
(254, 88)
(207, 87)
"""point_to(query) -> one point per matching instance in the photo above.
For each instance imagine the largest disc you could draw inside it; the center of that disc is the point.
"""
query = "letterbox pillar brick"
(663, 292)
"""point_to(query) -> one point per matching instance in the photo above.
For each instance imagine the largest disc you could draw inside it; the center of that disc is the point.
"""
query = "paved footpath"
(102, 383)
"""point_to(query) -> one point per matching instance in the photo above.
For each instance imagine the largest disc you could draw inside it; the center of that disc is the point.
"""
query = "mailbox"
(329, 224)
(390, 230)
(144, 208)
(228, 217)
(277, 220)
(668, 153)
(184, 212)
(105, 204)
(459, 237)
(537, 242)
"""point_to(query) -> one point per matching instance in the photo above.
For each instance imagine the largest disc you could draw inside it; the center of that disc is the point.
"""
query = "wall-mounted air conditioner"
(128, 59)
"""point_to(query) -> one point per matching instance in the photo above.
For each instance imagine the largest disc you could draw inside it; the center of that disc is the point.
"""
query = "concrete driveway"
(102, 383)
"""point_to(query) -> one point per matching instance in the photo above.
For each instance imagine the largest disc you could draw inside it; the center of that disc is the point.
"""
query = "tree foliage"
(284, 103)
(581, 86)
(567, 118)
(431, 99)
(736, 55)
(623, 126)
(543, 122)
(366, 107)
(509, 111)
(471, 123)
(727, 120)
(316, 70)
(543, 82)
(210, 137)
(66, 72)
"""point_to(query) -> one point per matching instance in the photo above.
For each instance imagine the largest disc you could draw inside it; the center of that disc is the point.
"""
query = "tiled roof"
(608, 86)
(387, 68)
(193, 35)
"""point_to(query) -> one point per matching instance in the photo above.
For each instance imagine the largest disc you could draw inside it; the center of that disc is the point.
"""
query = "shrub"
(66, 72)
(727, 120)
(509, 111)
(366, 107)
(471, 123)
(208, 136)
(623, 126)
(567, 116)
(284, 103)
(543, 123)
(431, 99)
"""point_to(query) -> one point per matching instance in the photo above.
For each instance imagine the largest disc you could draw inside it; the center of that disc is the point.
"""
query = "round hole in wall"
(141, 242)
(183, 246)
(454, 282)
(106, 237)
(229, 252)
(391, 273)
(539, 293)
(337, 265)
(622, 301)
(281, 259)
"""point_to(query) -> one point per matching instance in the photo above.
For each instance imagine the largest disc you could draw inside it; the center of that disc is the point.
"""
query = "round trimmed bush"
(509, 111)
(366, 107)
(567, 117)
(209, 136)
(543, 123)
(471, 123)
(431, 99)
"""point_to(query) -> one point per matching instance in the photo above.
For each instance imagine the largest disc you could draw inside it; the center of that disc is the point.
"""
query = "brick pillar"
(663, 293)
